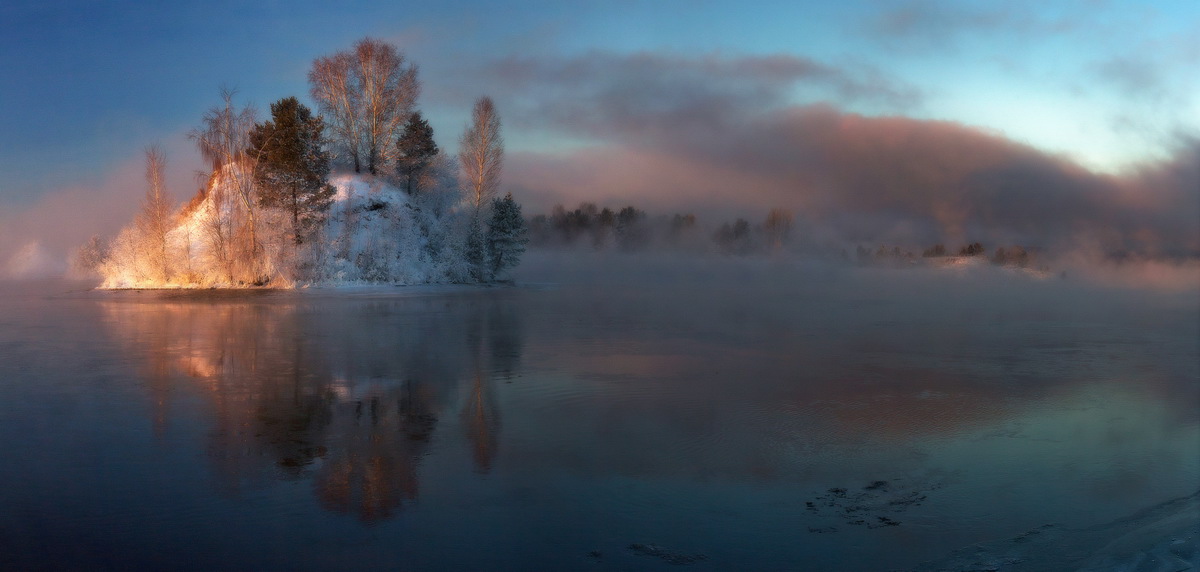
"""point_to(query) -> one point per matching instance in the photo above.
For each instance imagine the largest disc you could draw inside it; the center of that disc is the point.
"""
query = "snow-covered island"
(372, 233)
(358, 194)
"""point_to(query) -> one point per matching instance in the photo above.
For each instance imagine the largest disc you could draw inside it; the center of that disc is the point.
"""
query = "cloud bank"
(725, 136)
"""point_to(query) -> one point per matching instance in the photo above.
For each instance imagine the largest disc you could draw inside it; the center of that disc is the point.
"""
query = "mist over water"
(610, 411)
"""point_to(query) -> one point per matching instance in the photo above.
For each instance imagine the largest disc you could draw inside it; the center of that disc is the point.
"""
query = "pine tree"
(506, 237)
(293, 165)
(415, 151)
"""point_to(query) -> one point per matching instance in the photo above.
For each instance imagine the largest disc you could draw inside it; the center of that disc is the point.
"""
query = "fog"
(39, 236)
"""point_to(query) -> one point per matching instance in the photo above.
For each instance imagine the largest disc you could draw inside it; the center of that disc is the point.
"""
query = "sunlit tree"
(481, 153)
(154, 220)
(367, 94)
(223, 138)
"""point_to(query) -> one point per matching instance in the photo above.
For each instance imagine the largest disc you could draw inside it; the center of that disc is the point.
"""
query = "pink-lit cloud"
(875, 179)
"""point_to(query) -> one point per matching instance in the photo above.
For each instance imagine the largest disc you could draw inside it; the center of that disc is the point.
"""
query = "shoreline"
(309, 292)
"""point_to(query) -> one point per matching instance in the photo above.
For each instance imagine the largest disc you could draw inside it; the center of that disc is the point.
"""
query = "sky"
(899, 116)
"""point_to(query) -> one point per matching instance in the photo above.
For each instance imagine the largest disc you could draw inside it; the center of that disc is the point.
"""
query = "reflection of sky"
(544, 424)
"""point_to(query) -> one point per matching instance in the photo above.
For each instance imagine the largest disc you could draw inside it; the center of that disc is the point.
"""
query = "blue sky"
(86, 85)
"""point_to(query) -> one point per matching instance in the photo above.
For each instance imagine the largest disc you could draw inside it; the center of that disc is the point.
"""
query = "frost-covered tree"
(88, 259)
(435, 214)
(506, 237)
(232, 227)
(367, 94)
(292, 166)
(416, 150)
(334, 87)
(481, 153)
(154, 220)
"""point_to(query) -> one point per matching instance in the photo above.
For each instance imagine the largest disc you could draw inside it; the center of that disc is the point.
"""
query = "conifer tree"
(293, 165)
(415, 152)
(506, 237)
(475, 251)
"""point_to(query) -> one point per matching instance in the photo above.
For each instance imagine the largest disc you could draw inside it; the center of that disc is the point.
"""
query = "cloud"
(602, 93)
(937, 25)
(723, 137)
(1133, 77)
(881, 179)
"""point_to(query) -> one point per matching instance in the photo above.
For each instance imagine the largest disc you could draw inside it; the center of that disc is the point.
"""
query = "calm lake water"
(728, 416)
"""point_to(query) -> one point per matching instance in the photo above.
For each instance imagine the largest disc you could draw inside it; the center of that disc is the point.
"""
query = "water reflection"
(347, 395)
(540, 426)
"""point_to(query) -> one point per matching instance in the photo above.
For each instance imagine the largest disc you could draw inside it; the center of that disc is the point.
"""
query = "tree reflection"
(482, 420)
(345, 394)
(499, 326)
(372, 465)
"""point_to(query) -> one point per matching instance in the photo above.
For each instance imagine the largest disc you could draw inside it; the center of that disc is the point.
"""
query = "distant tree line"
(1004, 256)
(588, 224)
(629, 228)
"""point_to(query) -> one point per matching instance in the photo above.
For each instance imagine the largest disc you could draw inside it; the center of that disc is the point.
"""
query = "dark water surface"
(748, 418)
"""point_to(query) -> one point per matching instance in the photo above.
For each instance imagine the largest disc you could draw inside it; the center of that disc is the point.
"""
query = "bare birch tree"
(367, 95)
(223, 138)
(334, 88)
(481, 153)
(390, 91)
(154, 221)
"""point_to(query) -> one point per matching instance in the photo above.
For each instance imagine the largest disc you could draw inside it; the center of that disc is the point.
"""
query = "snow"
(374, 234)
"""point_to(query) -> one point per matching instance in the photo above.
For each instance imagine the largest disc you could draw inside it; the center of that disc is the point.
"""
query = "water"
(733, 416)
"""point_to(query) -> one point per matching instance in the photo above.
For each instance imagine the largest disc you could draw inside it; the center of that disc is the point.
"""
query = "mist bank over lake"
(584, 265)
